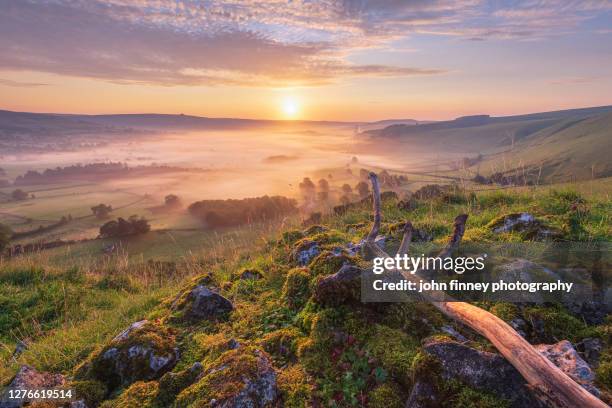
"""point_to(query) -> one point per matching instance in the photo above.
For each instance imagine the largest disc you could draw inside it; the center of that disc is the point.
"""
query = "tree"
(19, 195)
(5, 236)
(172, 200)
(323, 194)
(347, 189)
(307, 188)
(101, 211)
(121, 227)
(362, 189)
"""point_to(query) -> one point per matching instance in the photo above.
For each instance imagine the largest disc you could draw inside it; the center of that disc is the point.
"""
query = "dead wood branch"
(548, 382)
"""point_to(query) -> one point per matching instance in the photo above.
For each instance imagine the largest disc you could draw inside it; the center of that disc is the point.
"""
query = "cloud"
(19, 84)
(254, 42)
(124, 44)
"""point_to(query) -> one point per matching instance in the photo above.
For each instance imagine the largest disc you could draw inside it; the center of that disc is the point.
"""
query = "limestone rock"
(565, 356)
(341, 287)
(29, 378)
(203, 303)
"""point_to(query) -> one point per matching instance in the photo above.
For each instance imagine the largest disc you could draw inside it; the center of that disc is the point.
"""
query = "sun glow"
(290, 107)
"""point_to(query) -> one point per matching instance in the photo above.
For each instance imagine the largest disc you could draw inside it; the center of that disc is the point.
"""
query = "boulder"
(29, 378)
(590, 349)
(144, 351)
(252, 274)
(343, 286)
(481, 370)
(527, 225)
(423, 395)
(565, 356)
(305, 251)
(239, 378)
(202, 303)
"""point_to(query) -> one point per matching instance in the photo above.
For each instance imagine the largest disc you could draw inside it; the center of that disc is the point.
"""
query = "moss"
(458, 395)
(291, 236)
(419, 318)
(139, 395)
(395, 351)
(315, 229)
(282, 344)
(296, 289)
(557, 324)
(295, 389)
(327, 263)
(224, 378)
(151, 335)
(386, 395)
(205, 348)
(505, 311)
(171, 384)
(426, 368)
(93, 392)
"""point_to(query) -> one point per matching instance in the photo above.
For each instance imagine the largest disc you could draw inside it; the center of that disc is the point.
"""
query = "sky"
(353, 60)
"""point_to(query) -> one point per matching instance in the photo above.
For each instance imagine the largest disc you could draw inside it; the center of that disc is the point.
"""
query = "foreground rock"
(565, 356)
(202, 303)
(343, 286)
(527, 225)
(144, 351)
(240, 378)
(305, 251)
(481, 370)
(28, 378)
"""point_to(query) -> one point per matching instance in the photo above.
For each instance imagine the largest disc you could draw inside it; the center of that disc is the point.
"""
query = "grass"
(67, 302)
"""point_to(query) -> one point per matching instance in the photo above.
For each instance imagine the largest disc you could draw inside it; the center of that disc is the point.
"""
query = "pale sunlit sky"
(322, 60)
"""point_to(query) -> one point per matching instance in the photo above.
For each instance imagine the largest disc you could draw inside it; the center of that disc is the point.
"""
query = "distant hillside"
(569, 144)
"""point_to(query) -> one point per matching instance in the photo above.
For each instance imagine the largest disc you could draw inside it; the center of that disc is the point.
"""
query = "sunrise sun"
(290, 107)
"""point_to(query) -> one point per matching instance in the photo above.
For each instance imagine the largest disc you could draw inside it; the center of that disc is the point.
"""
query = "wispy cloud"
(20, 84)
(252, 42)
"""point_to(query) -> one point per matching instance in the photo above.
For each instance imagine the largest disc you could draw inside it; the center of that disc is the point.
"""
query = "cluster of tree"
(227, 213)
(172, 201)
(19, 195)
(121, 227)
(503, 179)
(93, 170)
(101, 211)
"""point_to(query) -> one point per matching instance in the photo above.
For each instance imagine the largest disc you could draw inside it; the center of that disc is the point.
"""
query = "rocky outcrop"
(203, 303)
(305, 251)
(565, 356)
(343, 286)
(144, 351)
(29, 378)
(240, 378)
(481, 370)
(527, 225)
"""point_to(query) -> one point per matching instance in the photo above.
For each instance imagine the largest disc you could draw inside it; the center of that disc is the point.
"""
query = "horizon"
(385, 119)
(350, 61)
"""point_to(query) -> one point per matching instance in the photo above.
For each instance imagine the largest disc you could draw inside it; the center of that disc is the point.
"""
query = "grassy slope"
(67, 312)
(566, 144)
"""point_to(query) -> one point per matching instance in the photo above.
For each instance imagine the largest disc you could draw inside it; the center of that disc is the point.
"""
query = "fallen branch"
(549, 383)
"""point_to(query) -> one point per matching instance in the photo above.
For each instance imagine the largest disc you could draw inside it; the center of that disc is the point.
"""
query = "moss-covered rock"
(141, 394)
(91, 392)
(329, 262)
(205, 348)
(243, 377)
(525, 224)
(341, 287)
(200, 303)
(144, 351)
(172, 383)
(296, 289)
